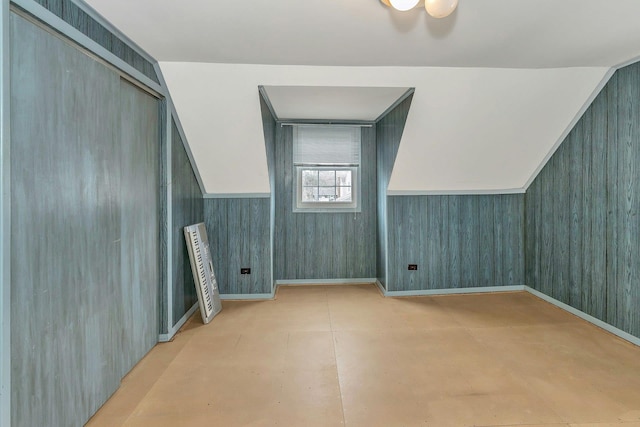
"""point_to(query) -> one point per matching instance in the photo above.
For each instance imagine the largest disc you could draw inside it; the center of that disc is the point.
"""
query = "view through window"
(326, 160)
(326, 185)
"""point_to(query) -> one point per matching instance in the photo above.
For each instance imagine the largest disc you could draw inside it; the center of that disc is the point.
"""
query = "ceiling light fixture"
(403, 5)
(436, 8)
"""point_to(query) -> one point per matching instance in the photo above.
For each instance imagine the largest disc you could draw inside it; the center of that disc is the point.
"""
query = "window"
(326, 185)
(326, 159)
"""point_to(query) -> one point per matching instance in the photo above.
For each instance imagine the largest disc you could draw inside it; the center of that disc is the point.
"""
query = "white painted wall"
(488, 129)
(468, 130)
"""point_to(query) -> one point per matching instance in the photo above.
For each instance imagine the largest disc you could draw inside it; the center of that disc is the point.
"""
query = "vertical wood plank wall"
(388, 135)
(583, 211)
(240, 231)
(139, 143)
(239, 236)
(84, 238)
(457, 241)
(269, 130)
(324, 245)
(81, 21)
(5, 219)
(187, 208)
(165, 228)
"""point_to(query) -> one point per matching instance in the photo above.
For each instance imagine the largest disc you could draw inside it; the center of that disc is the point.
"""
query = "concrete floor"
(345, 355)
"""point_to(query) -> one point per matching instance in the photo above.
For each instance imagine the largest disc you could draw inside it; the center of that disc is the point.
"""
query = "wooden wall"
(240, 231)
(269, 130)
(73, 15)
(187, 208)
(5, 219)
(239, 236)
(85, 225)
(388, 135)
(457, 241)
(165, 234)
(583, 211)
(324, 245)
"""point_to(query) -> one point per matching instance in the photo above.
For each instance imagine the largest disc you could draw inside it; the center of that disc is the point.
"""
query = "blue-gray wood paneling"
(165, 228)
(73, 15)
(583, 211)
(139, 145)
(187, 207)
(388, 135)
(84, 237)
(324, 245)
(239, 236)
(269, 130)
(5, 221)
(457, 241)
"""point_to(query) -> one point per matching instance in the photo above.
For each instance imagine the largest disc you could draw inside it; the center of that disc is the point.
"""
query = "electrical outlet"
(413, 267)
(245, 271)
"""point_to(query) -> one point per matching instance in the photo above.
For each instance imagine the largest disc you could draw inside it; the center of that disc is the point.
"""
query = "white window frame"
(352, 206)
(323, 162)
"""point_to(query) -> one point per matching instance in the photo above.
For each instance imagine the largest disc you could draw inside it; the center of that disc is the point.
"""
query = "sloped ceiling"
(497, 84)
(481, 33)
(469, 129)
(332, 102)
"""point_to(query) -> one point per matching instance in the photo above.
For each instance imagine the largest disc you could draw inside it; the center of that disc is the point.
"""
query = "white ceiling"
(498, 83)
(481, 33)
(331, 102)
(468, 129)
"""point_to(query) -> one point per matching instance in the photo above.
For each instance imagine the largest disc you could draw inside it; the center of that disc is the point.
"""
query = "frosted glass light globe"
(403, 5)
(440, 8)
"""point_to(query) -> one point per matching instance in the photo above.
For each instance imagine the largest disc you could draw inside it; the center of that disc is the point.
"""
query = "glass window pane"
(343, 178)
(327, 178)
(327, 194)
(343, 194)
(326, 186)
(309, 194)
(309, 177)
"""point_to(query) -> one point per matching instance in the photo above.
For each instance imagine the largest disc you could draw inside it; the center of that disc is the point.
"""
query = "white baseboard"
(227, 297)
(452, 291)
(471, 192)
(296, 282)
(236, 195)
(173, 330)
(607, 327)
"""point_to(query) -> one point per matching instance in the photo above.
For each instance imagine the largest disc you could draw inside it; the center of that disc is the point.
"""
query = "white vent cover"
(202, 269)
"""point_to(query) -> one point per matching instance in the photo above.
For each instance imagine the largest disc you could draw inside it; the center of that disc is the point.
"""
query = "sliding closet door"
(84, 233)
(65, 255)
(139, 168)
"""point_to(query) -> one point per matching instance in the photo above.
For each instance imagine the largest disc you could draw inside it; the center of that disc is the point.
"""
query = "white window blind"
(326, 145)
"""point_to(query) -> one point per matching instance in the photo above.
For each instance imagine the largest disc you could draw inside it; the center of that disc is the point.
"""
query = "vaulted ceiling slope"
(481, 33)
(469, 129)
(498, 84)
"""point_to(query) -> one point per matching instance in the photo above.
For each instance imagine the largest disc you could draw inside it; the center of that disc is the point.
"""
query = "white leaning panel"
(202, 269)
